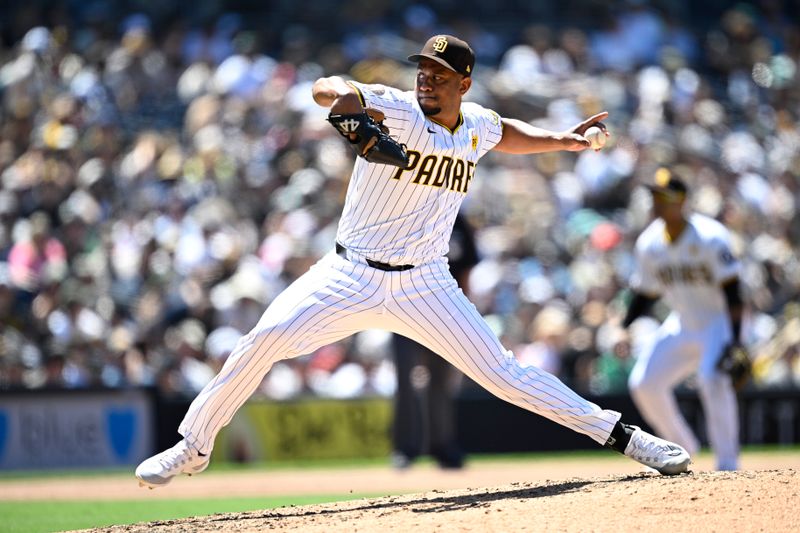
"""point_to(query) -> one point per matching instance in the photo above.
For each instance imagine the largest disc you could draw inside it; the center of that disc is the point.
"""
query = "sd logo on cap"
(448, 51)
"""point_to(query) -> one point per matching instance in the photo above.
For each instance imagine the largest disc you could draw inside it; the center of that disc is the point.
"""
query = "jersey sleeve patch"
(726, 257)
(489, 131)
(727, 264)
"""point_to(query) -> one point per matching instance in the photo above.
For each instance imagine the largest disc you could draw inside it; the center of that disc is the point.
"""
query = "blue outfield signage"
(74, 429)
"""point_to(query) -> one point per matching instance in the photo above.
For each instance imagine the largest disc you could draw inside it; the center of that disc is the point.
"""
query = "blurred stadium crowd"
(165, 175)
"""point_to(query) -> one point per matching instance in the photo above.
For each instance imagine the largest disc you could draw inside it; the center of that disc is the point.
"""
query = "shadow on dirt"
(430, 503)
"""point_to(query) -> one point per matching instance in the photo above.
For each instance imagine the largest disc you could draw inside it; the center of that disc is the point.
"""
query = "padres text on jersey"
(404, 216)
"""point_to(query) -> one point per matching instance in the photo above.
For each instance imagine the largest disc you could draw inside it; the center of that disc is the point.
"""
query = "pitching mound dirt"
(696, 502)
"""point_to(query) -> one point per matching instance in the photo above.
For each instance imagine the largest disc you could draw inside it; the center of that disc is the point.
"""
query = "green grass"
(372, 462)
(216, 466)
(47, 516)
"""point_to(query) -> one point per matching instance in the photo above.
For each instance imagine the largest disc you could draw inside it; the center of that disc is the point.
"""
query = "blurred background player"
(427, 385)
(686, 259)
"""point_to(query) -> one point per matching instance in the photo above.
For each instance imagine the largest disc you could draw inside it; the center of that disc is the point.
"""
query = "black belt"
(342, 251)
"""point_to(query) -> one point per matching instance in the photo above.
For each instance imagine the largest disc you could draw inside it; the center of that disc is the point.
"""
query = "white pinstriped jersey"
(394, 216)
(400, 216)
(687, 273)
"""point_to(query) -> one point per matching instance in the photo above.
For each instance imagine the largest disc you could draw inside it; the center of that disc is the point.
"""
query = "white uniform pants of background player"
(674, 354)
(338, 297)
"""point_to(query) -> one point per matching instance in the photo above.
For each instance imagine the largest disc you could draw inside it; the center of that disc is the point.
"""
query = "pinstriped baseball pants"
(338, 297)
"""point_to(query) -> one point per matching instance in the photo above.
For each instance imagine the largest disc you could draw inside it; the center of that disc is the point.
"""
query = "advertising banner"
(307, 429)
(74, 429)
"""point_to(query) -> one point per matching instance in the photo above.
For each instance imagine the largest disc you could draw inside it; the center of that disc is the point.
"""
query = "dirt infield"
(602, 493)
(698, 502)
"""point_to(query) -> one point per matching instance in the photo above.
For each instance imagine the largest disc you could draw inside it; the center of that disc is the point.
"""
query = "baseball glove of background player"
(370, 138)
(735, 361)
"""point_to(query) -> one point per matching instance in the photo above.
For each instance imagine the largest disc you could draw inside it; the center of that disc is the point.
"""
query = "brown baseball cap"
(449, 51)
(667, 183)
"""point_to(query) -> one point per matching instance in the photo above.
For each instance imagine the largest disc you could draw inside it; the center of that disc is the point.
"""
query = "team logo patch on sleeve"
(474, 137)
(726, 257)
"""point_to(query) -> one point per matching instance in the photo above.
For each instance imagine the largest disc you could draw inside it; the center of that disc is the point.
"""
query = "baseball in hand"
(596, 136)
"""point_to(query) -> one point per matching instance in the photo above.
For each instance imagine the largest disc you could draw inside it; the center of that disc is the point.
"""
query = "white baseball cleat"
(660, 455)
(159, 470)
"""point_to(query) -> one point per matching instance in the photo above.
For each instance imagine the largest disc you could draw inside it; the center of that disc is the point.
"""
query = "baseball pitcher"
(417, 153)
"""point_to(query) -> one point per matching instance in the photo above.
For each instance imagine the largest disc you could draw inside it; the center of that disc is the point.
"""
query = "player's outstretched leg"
(666, 457)
(159, 470)
(331, 301)
(450, 325)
